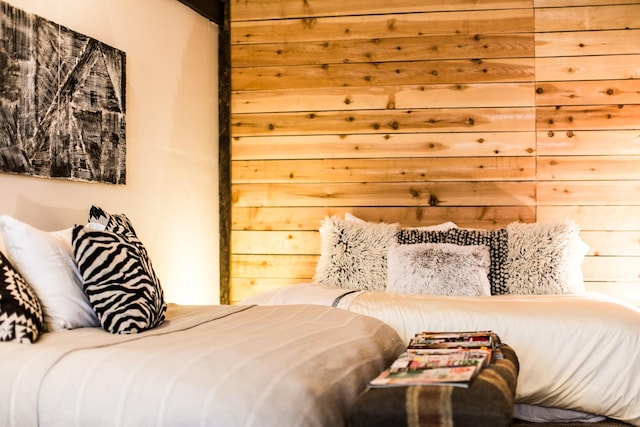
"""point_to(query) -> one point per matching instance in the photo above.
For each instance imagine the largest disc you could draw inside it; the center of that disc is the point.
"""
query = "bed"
(298, 365)
(576, 352)
(579, 351)
(87, 339)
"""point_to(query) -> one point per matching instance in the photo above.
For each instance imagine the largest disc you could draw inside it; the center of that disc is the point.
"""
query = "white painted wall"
(171, 195)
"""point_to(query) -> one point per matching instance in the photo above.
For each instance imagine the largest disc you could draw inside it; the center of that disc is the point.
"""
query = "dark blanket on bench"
(488, 401)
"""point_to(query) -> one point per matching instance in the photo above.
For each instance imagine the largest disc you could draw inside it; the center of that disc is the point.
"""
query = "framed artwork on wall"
(62, 102)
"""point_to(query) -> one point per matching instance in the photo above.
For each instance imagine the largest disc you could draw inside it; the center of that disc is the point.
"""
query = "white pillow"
(45, 260)
(439, 269)
(351, 217)
(436, 227)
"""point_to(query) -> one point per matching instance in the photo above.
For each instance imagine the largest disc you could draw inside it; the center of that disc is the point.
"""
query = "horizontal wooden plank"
(386, 194)
(610, 67)
(595, 218)
(465, 95)
(612, 243)
(600, 17)
(564, 3)
(611, 269)
(626, 291)
(279, 9)
(310, 218)
(401, 121)
(385, 170)
(602, 193)
(589, 117)
(596, 142)
(419, 145)
(609, 168)
(275, 242)
(382, 97)
(618, 92)
(329, 28)
(581, 43)
(377, 50)
(298, 267)
(388, 74)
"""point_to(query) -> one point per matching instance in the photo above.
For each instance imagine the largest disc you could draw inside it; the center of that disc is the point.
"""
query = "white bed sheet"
(576, 352)
(226, 366)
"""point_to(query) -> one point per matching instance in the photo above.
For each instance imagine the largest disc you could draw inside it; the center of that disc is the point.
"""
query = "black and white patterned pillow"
(496, 240)
(117, 223)
(118, 276)
(21, 316)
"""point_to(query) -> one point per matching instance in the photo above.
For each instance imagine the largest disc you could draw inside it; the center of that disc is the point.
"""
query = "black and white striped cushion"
(21, 316)
(117, 223)
(118, 277)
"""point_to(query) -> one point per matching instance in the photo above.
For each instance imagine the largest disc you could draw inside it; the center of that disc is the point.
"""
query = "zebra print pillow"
(118, 279)
(117, 223)
(21, 316)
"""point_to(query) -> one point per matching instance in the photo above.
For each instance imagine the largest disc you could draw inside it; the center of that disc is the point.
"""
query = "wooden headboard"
(481, 113)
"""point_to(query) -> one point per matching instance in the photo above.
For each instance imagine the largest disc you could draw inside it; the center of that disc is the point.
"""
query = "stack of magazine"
(441, 358)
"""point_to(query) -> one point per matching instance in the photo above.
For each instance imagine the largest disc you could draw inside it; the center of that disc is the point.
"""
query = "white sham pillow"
(439, 269)
(45, 260)
(436, 227)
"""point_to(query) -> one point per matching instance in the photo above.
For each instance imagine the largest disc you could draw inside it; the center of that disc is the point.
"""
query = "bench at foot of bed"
(488, 401)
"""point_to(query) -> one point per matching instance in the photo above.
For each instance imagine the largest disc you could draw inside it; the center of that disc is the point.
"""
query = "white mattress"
(576, 352)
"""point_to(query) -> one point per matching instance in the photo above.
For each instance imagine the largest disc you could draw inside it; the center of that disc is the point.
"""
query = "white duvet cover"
(577, 352)
(210, 366)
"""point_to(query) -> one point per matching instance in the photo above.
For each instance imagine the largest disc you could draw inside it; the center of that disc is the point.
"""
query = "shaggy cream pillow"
(353, 254)
(545, 258)
(439, 269)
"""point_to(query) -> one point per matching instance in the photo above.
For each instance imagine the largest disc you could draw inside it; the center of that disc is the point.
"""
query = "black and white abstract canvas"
(62, 102)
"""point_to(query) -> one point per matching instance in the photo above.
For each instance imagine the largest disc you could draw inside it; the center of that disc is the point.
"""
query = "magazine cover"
(455, 367)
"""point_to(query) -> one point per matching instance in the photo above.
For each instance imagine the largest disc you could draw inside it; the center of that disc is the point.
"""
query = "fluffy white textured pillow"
(45, 260)
(545, 258)
(353, 254)
(439, 269)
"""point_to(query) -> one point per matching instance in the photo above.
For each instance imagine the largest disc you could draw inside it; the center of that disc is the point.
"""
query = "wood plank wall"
(477, 112)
